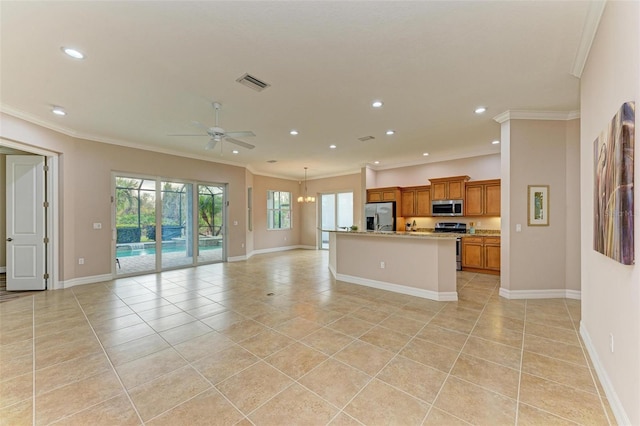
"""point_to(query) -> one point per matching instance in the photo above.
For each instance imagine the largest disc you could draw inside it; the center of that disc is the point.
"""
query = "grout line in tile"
(444, 382)
(524, 328)
(104, 352)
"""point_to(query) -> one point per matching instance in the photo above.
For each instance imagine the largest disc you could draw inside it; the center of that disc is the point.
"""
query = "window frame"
(283, 212)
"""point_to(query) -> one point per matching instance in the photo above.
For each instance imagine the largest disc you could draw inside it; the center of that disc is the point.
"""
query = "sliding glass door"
(177, 224)
(211, 223)
(336, 212)
(154, 223)
(135, 220)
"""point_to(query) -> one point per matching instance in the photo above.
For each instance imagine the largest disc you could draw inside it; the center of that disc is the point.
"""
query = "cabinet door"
(389, 196)
(473, 201)
(408, 202)
(492, 200)
(423, 202)
(472, 253)
(374, 196)
(492, 257)
(439, 191)
(456, 190)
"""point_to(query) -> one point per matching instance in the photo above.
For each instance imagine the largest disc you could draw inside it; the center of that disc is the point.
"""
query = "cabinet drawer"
(471, 240)
(492, 240)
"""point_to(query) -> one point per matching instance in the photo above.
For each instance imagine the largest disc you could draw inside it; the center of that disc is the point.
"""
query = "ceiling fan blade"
(211, 144)
(243, 134)
(199, 124)
(180, 134)
(239, 143)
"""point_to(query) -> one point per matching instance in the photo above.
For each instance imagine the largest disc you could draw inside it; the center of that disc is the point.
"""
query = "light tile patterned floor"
(211, 345)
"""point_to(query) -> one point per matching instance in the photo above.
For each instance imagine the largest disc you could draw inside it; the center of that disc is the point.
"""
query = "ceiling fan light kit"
(218, 134)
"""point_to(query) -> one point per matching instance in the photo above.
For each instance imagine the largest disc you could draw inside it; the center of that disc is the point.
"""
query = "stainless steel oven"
(458, 228)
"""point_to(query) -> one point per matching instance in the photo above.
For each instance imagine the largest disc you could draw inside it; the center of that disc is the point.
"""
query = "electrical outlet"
(285, 238)
(242, 245)
(478, 224)
(81, 261)
(97, 225)
(611, 342)
(382, 265)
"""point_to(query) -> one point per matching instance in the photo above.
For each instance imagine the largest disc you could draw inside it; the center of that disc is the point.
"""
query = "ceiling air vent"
(366, 138)
(252, 82)
(272, 161)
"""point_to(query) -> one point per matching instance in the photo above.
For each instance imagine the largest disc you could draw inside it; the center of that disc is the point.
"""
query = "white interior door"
(25, 223)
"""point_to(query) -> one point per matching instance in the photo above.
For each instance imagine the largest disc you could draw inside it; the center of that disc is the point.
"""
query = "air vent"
(253, 82)
(366, 138)
(272, 161)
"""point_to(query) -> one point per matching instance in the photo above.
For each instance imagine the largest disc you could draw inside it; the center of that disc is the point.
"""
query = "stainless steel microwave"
(447, 208)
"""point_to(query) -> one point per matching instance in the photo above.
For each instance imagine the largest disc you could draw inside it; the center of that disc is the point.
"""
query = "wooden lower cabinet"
(481, 254)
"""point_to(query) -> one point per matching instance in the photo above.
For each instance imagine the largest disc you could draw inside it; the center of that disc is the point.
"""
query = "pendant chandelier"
(306, 198)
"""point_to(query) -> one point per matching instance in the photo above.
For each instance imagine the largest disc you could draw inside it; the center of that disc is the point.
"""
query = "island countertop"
(404, 234)
(420, 234)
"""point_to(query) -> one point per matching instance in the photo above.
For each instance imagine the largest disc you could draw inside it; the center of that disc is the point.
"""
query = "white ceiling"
(151, 68)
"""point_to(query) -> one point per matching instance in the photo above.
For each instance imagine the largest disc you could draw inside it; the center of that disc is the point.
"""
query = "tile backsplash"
(480, 223)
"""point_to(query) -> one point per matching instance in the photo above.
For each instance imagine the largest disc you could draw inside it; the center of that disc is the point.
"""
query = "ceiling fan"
(218, 134)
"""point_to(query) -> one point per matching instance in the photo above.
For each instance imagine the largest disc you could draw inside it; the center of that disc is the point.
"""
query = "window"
(278, 210)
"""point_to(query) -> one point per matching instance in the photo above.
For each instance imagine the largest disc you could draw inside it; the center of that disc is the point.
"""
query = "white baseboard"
(449, 296)
(612, 396)
(83, 280)
(540, 294)
(273, 250)
(3, 269)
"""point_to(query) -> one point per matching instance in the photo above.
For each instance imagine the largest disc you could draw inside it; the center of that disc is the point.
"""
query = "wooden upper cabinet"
(416, 201)
(451, 188)
(383, 194)
(423, 201)
(492, 198)
(474, 200)
(408, 202)
(482, 198)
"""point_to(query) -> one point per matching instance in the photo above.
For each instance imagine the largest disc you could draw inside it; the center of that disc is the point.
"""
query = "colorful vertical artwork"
(613, 188)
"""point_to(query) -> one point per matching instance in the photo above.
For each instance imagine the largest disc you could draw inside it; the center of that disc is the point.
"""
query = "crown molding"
(94, 138)
(536, 115)
(591, 22)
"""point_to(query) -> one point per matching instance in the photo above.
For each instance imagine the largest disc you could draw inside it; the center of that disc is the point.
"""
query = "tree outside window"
(278, 210)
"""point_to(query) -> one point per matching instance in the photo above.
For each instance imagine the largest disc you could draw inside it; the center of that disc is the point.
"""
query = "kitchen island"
(413, 263)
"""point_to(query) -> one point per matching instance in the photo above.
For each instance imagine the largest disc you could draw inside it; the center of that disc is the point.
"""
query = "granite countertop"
(403, 234)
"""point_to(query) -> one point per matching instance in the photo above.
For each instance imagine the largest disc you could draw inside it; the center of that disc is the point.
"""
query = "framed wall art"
(538, 205)
(613, 153)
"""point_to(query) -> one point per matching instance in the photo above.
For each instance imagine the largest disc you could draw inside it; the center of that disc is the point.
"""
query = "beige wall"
(316, 187)
(477, 168)
(265, 239)
(85, 191)
(611, 291)
(3, 217)
(537, 255)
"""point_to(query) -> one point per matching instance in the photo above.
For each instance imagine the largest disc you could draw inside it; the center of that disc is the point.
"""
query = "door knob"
(9, 239)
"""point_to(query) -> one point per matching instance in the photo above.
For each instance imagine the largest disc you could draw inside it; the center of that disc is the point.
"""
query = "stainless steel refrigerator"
(380, 216)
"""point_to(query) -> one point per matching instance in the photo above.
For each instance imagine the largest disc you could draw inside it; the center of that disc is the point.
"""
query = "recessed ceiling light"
(376, 162)
(391, 132)
(235, 151)
(293, 132)
(58, 111)
(495, 142)
(376, 104)
(76, 54)
(425, 154)
(480, 110)
(332, 146)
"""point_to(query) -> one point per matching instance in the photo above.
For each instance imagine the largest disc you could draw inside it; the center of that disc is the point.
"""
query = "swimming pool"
(151, 251)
